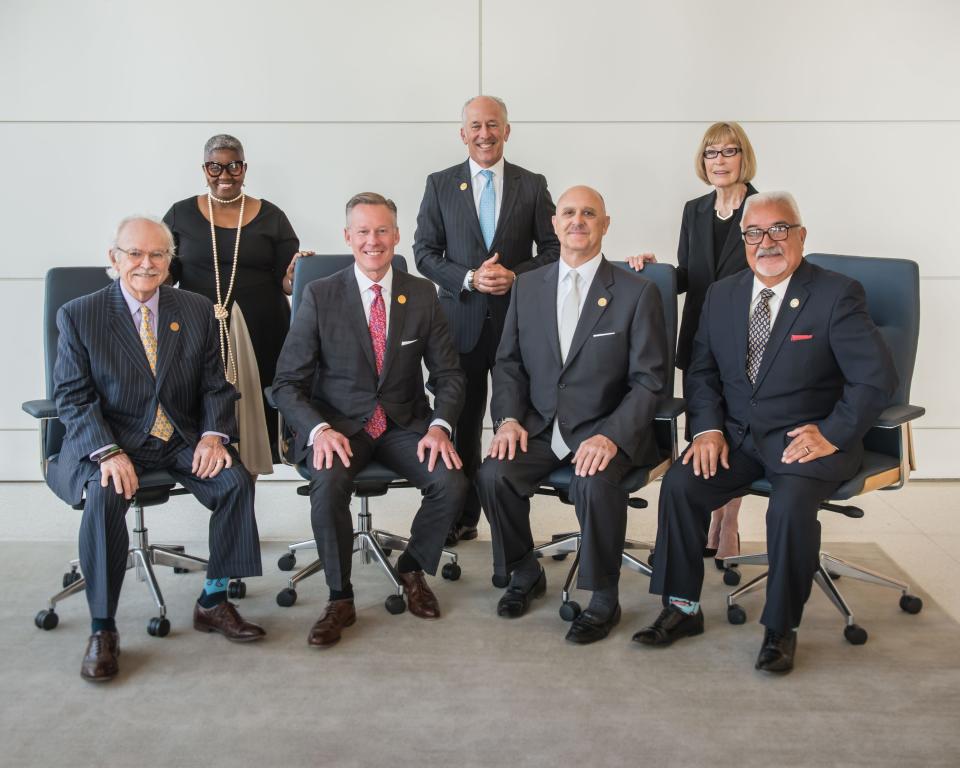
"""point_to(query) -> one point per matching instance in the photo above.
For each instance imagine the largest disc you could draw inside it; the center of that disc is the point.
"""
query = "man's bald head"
(580, 222)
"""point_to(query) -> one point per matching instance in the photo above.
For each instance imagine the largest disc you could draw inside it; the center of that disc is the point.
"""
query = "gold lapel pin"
(794, 303)
(602, 302)
(463, 186)
(401, 299)
(174, 326)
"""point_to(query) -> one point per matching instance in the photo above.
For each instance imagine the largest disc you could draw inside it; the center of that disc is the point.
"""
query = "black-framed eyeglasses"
(137, 255)
(754, 235)
(710, 154)
(234, 169)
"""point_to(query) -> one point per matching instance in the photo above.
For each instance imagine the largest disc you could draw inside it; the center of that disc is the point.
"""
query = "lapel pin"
(174, 326)
(463, 186)
(794, 303)
(602, 302)
(401, 299)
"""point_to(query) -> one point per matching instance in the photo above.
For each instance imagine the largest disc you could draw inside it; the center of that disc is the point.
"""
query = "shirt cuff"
(444, 424)
(93, 456)
(707, 431)
(315, 431)
(466, 280)
(222, 436)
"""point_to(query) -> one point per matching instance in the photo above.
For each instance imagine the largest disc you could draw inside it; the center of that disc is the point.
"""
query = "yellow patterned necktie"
(162, 428)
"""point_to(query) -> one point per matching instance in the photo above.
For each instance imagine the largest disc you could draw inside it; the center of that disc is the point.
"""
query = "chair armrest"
(40, 409)
(268, 393)
(671, 408)
(896, 415)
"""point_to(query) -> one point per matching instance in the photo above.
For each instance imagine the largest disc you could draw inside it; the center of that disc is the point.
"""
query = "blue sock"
(97, 625)
(214, 592)
(689, 607)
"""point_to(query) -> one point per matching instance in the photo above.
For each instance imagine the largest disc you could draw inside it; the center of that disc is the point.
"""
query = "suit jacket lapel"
(125, 332)
(597, 301)
(511, 186)
(398, 311)
(356, 318)
(786, 316)
(168, 340)
(704, 227)
(465, 197)
(547, 302)
(742, 295)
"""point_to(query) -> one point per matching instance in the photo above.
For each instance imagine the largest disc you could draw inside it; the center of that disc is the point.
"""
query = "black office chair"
(156, 486)
(557, 484)
(892, 288)
(375, 479)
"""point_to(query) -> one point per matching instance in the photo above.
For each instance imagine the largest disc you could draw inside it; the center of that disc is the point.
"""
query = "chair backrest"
(892, 287)
(62, 284)
(312, 268)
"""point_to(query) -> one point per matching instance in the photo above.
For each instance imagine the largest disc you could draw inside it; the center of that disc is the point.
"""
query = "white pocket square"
(607, 333)
(409, 341)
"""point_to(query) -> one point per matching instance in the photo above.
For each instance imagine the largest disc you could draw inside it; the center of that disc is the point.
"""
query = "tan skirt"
(254, 444)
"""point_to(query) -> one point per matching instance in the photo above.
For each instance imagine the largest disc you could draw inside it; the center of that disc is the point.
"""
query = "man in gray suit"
(579, 371)
(476, 229)
(350, 384)
(139, 385)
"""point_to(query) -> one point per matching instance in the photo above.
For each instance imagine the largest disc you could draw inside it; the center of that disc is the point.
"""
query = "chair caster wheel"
(451, 571)
(158, 627)
(286, 597)
(560, 556)
(736, 614)
(731, 577)
(237, 590)
(70, 577)
(287, 562)
(569, 610)
(395, 605)
(650, 558)
(47, 619)
(911, 604)
(500, 582)
(178, 548)
(181, 570)
(855, 634)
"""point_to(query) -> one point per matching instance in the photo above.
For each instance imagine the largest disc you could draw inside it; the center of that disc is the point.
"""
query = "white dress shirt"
(478, 183)
(586, 271)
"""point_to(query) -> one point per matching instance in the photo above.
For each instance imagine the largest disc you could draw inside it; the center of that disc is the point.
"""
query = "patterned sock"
(603, 602)
(214, 592)
(109, 624)
(689, 607)
(407, 563)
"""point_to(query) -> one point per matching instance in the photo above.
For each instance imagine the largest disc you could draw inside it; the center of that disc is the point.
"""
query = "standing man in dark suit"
(579, 371)
(476, 229)
(350, 384)
(788, 373)
(139, 385)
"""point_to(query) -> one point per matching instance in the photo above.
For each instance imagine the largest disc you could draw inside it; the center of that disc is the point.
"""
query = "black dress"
(267, 244)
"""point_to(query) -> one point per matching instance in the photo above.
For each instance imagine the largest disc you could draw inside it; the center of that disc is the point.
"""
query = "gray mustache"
(775, 251)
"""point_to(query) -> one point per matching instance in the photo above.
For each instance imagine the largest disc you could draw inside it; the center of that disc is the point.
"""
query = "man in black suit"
(579, 370)
(788, 373)
(350, 384)
(476, 229)
(139, 385)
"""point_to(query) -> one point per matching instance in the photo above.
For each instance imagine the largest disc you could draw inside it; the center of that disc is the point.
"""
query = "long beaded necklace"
(220, 308)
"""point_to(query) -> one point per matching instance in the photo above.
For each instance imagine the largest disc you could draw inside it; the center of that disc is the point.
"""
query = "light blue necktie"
(488, 209)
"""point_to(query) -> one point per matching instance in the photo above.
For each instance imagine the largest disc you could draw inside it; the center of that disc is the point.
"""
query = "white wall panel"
(21, 350)
(182, 60)
(750, 59)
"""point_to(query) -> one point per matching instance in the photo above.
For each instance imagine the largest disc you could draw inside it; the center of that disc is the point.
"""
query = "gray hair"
(777, 198)
(127, 221)
(370, 198)
(222, 141)
(500, 102)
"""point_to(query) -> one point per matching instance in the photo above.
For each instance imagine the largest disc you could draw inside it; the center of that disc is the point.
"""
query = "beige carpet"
(472, 689)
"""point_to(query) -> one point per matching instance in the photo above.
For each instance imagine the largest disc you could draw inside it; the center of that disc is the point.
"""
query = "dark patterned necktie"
(759, 334)
(377, 424)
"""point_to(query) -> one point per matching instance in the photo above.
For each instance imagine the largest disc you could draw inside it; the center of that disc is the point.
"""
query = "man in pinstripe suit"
(476, 229)
(139, 385)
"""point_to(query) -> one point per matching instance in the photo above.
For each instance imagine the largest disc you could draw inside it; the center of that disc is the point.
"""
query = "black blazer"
(615, 370)
(448, 242)
(825, 364)
(327, 370)
(106, 392)
(697, 269)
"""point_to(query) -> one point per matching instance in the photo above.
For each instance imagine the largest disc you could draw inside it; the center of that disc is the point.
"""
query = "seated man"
(350, 384)
(579, 370)
(139, 385)
(787, 374)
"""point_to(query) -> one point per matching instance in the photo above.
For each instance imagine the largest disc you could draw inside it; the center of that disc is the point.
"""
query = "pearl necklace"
(220, 308)
(224, 202)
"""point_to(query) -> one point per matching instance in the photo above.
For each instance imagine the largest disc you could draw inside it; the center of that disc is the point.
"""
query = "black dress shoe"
(515, 601)
(460, 533)
(709, 552)
(671, 624)
(588, 627)
(777, 652)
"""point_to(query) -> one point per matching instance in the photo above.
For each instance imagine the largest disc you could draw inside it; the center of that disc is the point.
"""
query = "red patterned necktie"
(377, 424)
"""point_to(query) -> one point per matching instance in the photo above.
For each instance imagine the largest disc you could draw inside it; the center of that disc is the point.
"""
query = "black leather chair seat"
(873, 464)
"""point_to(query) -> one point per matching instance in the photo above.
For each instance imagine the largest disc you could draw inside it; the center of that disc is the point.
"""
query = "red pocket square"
(801, 336)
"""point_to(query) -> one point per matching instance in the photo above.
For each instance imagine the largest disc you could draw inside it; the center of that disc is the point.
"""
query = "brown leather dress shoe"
(420, 598)
(100, 659)
(225, 619)
(337, 616)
